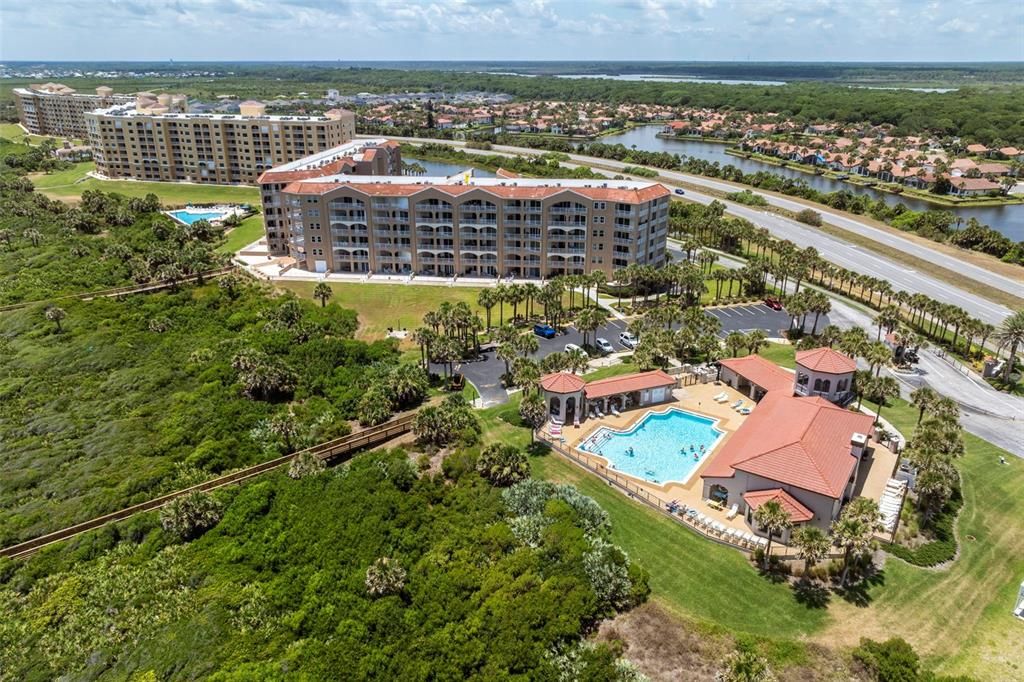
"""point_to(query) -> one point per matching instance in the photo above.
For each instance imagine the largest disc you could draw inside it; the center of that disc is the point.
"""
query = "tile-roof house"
(801, 450)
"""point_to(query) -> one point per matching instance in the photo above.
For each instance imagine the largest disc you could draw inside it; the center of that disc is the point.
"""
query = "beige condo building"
(145, 141)
(474, 227)
(56, 109)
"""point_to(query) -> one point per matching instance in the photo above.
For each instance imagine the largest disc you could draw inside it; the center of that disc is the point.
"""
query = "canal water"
(1006, 219)
(438, 168)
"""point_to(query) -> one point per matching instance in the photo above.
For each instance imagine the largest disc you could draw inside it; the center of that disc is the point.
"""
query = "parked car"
(680, 192)
(773, 303)
(572, 347)
(603, 345)
(544, 330)
(627, 340)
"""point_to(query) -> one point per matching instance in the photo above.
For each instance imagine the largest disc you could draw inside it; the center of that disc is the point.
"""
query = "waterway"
(439, 168)
(1006, 219)
(641, 78)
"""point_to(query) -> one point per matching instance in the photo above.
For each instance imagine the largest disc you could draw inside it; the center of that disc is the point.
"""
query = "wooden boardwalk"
(328, 451)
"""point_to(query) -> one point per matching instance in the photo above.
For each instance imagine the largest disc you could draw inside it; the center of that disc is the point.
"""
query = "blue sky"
(799, 30)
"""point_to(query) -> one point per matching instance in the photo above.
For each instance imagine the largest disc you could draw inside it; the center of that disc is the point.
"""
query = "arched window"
(826, 385)
(817, 384)
(802, 379)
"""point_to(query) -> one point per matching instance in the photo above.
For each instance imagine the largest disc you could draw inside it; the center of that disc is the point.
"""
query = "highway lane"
(831, 248)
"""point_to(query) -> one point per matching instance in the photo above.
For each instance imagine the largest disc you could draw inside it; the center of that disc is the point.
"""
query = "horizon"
(787, 31)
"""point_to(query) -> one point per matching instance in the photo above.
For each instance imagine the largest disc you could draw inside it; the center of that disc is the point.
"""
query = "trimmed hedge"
(943, 547)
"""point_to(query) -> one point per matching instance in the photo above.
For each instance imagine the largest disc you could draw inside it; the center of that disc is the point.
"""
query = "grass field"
(958, 617)
(14, 133)
(69, 184)
(380, 306)
(249, 231)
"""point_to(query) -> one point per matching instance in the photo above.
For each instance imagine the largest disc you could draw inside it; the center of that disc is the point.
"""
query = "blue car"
(545, 330)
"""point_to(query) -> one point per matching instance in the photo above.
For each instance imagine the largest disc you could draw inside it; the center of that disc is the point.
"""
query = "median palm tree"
(322, 292)
(1010, 335)
(887, 318)
(577, 360)
(756, 340)
(877, 354)
(772, 518)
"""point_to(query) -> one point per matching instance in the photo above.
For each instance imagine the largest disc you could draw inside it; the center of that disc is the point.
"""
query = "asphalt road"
(836, 250)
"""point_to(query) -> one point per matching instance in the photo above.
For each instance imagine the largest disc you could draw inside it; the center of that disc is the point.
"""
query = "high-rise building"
(145, 141)
(359, 157)
(55, 109)
(476, 227)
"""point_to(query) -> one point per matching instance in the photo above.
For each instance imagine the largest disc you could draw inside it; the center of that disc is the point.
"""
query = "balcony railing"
(567, 211)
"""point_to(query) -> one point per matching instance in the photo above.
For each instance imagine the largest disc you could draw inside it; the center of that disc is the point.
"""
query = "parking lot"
(485, 374)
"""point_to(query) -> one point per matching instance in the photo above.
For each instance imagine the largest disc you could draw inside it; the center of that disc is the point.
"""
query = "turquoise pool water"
(189, 217)
(660, 448)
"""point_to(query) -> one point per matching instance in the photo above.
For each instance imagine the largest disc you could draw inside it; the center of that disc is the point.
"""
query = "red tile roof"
(973, 183)
(760, 372)
(797, 512)
(337, 167)
(801, 442)
(826, 360)
(628, 383)
(644, 194)
(561, 382)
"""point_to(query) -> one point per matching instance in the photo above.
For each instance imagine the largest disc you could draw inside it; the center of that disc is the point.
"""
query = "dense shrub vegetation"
(361, 572)
(115, 408)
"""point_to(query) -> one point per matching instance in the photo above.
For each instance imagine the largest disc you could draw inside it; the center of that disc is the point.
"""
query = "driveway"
(485, 374)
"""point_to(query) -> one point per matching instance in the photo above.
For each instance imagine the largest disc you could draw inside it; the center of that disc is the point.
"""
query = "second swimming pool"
(661, 448)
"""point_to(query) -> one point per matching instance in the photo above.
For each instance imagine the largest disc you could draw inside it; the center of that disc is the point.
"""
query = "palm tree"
(55, 315)
(501, 295)
(322, 292)
(812, 544)
(923, 398)
(756, 340)
(772, 518)
(882, 390)
(590, 320)
(877, 355)
(424, 336)
(577, 360)
(507, 352)
(1010, 335)
(854, 529)
(888, 317)
(735, 342)
(830, 335)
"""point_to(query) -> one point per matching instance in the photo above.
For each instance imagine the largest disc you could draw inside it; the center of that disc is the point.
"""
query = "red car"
(773, 303)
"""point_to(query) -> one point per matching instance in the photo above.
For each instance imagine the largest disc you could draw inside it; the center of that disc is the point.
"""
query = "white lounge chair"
(614, 411)
(719, 528)
(733, 510)
(741, 407)
(745, 410)
(736, 405)
(600, 413)
(721, 397)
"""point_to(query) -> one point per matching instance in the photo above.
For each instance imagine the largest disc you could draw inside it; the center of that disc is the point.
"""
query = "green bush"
(809, 217)
(941, 526)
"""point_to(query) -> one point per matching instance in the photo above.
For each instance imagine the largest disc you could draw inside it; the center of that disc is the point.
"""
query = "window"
(599, 205)
(599, 220)
(802, 379)
(597, 233)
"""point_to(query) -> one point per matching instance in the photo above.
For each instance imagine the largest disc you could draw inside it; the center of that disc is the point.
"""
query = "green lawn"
(391, 305)
(69, 185)
(14, 133)
(693, 577)
(957, 617)
(624, 367)
(249, 231)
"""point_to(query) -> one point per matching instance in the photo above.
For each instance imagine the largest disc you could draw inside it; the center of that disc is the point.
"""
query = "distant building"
(476, 227)
(153, 139)
(55, 109)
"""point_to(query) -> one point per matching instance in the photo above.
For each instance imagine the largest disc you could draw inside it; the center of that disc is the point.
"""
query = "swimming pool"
(188, 216)
(662, 447)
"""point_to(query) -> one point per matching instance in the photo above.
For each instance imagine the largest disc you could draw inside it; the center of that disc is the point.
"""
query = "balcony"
(567, 250)
(392, 233)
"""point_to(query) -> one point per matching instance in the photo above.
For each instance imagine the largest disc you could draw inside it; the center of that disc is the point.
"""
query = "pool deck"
(698, 399)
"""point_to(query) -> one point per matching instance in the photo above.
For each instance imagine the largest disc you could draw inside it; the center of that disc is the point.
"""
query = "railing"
(326, 452)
